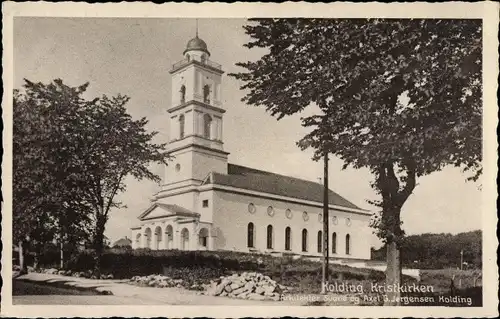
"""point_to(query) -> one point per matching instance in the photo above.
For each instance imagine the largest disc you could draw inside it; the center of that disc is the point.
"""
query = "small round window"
(288, 214)
(335, 220)
(251, 208)
(177, 167)
(348, 221)
(270, 211)
(305, 216)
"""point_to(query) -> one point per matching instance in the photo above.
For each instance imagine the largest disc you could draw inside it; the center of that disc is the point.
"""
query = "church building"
(206, 203)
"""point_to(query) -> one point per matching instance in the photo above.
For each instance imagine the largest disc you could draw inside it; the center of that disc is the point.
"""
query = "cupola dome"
(196, 44)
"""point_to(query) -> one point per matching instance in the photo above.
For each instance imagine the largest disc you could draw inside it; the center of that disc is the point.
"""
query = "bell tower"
(196, 118)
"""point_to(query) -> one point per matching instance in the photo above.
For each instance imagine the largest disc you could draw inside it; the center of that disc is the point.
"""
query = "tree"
(400, 97)
(82, 151)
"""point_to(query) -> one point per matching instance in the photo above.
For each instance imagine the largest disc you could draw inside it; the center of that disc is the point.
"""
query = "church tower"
(195, 116)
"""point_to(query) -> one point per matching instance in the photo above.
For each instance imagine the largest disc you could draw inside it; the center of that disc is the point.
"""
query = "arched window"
(183, 94)
(207, 124)
(206, 94)
(181, 125)
(269, 237)
(288, 238)
(203, 58)
(334, 243)
(188, 57)
(320, 241)
(304, 239)
(250, 235)
(347, 244)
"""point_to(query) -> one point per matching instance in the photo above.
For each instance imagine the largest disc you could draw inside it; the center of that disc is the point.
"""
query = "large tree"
(71, 158)
(400, 97)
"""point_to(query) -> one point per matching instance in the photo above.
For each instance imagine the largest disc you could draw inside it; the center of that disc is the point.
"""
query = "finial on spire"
(196, 27)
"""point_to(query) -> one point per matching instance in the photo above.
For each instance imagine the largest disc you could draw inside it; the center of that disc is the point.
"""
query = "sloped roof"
(271, 183)
(122, 242)
(171, 209)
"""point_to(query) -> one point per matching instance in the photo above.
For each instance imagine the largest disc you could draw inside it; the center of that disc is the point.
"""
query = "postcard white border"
(488, 11)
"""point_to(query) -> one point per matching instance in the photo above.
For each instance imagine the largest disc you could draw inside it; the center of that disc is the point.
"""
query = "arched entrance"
(147, 233)
(158, 237)
(169, 233)
(185, 239)
(203, 238)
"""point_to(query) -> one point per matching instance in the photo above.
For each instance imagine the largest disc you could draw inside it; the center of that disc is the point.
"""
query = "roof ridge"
(273, 173)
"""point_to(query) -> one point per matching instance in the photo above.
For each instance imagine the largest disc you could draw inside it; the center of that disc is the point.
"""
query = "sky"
(133, 56)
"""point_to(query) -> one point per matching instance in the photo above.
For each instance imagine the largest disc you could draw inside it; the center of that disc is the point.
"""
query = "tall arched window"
(334, 243)
(203, 58)
(181, 125)
(250, 235)
(347, 244)
(206, 94)
(183, 94)
(288, 238)
(269, 237)
(304, 239)
(207, 124)
(320, 241)
(188, 57)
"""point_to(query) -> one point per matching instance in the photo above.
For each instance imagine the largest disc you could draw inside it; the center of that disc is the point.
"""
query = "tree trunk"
(99, 245)
(61, 259)
(393, 275)
(22, 265)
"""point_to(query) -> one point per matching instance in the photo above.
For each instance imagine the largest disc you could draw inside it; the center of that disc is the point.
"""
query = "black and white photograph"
(335, 161)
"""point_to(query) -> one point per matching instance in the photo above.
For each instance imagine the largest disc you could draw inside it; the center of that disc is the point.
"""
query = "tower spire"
(196, 27)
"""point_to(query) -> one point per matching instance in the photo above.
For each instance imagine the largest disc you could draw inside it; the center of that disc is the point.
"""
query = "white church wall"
(231, 218)
(186, 200)
(204, 163)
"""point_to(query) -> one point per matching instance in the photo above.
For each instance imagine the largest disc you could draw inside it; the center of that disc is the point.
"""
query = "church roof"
(271, 183)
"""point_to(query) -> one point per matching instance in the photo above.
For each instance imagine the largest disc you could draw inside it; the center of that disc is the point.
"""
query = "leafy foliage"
(437, 251)
(400, 97)
(71, 157)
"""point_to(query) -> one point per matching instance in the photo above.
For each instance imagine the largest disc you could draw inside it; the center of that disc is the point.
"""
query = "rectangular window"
(205, 203)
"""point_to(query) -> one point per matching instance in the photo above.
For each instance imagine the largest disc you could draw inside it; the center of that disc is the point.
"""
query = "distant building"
(123, 243)
(206, 203)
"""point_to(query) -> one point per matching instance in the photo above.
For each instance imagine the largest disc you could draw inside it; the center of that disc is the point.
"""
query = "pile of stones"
(161, 281)
(247, 285)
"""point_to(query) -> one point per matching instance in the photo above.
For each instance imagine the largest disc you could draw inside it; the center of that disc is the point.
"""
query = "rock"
(269, 289)
(250, 286)
(236, 285)
(178, 286)
(243, 295)
(276, 297)
(110, 276)
(228, 288)
(223, 294)
(219, 289)
(254, 296)
(260, 290)
(239, 291)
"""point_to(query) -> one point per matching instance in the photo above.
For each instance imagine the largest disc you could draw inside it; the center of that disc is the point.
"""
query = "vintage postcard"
(249, 160)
